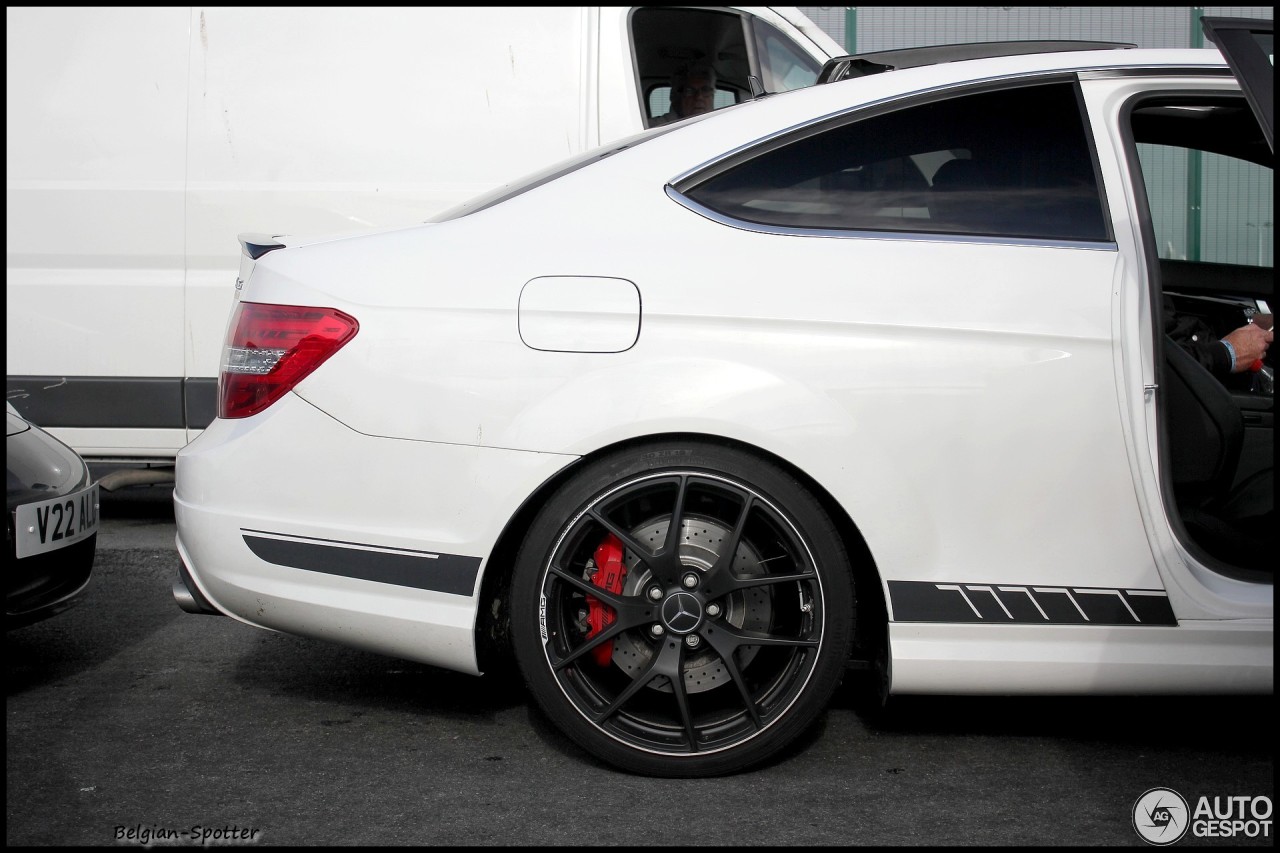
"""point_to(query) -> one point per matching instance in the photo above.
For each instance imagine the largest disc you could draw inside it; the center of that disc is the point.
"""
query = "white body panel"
(96, 111)
(1194, 592)
(141, 141)
(757, 379)
(395, 491)
(1194, 657)
(974, 434)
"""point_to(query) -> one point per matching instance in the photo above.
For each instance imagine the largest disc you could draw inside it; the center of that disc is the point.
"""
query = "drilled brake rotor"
(701, 542)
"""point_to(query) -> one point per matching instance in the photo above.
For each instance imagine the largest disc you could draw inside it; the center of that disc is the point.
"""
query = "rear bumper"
(44, 585)
(291, 521)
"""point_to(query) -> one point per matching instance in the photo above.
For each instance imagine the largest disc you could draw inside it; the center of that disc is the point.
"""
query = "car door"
(1249, 47)
(1190, 154)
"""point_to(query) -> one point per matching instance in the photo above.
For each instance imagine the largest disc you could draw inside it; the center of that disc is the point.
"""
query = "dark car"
(53, 523)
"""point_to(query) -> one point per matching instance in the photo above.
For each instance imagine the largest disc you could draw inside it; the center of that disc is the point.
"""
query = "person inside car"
(1235, 352)
(693, 92)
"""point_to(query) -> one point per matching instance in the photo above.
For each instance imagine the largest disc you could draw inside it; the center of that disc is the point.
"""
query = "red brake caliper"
(610, 573)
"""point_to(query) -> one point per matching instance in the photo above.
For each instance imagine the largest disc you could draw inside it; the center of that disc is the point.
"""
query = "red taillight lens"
(271, 348)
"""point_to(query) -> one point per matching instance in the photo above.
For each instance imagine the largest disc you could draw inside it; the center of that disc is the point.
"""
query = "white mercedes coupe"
(930, 370)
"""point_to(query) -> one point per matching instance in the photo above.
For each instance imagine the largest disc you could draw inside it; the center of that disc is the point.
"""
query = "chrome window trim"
(1162, 71)
(912, 236)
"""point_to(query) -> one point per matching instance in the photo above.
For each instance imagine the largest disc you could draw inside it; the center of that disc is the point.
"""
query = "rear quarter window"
(1016, 162)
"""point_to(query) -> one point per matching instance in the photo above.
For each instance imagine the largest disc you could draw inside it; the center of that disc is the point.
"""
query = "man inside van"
(693, 92)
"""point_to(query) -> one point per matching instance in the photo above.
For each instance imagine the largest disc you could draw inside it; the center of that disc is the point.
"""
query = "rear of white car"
(291, 509)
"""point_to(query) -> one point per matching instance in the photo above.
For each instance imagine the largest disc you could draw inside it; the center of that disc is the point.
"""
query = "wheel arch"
(492, 630)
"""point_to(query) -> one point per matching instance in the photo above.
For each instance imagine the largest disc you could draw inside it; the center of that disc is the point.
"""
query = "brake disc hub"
(701, 541)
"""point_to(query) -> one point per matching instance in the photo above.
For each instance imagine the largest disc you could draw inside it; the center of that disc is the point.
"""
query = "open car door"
(1248, 44)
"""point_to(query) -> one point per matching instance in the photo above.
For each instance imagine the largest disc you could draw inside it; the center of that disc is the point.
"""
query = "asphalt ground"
(130, 722)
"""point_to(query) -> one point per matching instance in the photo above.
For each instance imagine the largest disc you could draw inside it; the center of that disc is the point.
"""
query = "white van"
(141, 141)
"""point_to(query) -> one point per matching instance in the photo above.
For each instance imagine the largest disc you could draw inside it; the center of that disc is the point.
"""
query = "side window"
(705, 47)
(782, 64)
(1010, 163)
(659, 99)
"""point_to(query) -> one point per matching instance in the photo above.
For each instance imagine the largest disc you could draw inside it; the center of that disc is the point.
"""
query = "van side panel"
(620, 113)
(96, 122)
(408, 111)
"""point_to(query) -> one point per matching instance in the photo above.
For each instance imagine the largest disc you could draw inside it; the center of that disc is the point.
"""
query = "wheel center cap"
(682, 612)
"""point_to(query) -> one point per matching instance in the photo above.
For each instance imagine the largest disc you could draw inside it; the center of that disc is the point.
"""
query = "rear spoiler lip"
(255, 246)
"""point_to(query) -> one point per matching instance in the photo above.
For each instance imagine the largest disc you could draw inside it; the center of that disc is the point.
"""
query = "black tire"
(757, 643)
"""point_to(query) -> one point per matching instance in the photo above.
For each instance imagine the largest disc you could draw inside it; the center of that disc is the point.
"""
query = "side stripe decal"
(922, 601)
(115, 402)
(447, 573)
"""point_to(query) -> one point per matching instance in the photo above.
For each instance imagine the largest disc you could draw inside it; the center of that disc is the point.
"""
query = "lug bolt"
(655, 593)
(657, 630)
(713, 610)
(692, 641)
(690, 580)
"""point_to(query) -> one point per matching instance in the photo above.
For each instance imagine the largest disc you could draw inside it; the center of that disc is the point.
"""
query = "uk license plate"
(56, 523)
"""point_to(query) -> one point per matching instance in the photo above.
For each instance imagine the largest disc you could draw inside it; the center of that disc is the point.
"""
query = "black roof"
(859, 65)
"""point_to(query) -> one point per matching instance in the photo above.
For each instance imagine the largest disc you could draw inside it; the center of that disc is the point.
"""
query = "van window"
(783, 66)
(665, 39)
(659, 99)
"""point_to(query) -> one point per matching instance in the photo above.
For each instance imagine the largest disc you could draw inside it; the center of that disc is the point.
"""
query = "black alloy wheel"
(682, 610)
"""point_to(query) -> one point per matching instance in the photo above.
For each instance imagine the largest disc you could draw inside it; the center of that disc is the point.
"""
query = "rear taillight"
(271, 348)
